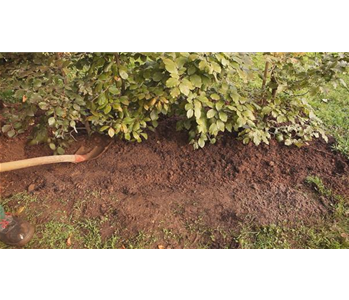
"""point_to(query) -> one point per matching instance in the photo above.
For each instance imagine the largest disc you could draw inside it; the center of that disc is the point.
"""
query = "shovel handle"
(38, 161)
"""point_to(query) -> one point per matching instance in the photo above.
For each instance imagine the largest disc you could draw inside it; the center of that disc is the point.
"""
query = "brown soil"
(164, 183)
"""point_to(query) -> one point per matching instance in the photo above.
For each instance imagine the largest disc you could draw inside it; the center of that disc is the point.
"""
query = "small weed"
(90, 233)
(54, 235)
(341, 207)
(318, 185)
(22, 199)
(178, 210)
(301, 236)
(140, 241)
(169, 235)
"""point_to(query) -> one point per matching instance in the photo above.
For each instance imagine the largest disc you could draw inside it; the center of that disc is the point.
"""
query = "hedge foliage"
(124, 94)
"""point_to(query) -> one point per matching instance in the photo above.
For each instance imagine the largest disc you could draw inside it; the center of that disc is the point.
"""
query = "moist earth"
(164, 183)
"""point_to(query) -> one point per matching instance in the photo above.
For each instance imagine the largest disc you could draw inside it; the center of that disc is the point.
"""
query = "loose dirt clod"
(31, 188)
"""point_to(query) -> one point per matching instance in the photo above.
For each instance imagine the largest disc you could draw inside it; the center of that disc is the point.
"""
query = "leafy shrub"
(123, 94)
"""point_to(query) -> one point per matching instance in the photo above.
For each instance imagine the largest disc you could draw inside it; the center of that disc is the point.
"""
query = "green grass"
(333, 110)
(64, 231)
(285, 237)
(54, 234)
(88, 231)
(330, 233)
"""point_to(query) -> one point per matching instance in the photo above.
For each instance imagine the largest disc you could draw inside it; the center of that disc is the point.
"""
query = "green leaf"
(220, 125)
(172, 82)
(37, 83)
(279, 137)
(11, 133)
(197, 103)
(91, 118)
(256, 139)
(154, 115)
(196, 80)
(113, 90)
(202, 65)
(124, 100)
(201, 142)
(44, 105)
(249, 114)
(197, 112)
(281, 119)
(324, 136)
(143, 134)
(51, 121)
(76, 107)
(241, 121)
(184, 89)
(191, 70)
(60, 150)
(229, 126)
(213, 129)
(175, 92)
(158, 76)
(215, 96)
(136, 126)
(170, 65)
(235, 96)
(102, 99)
(219, 105)
(107, 109)
(52, 146)
(188, 106)
(299, 144)
(211, 113)
(288, 142)
(223, 116)
(188, 83)
(111, 132)
(104, 128)
(127, 136)
(190, 113)
(6, 128)
(266, 110)
(123, 74)
(216, 67)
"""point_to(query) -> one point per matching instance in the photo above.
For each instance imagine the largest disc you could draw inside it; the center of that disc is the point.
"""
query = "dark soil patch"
(164, 185)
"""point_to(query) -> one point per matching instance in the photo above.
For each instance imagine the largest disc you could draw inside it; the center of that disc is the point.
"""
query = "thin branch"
(265, 75)
(100, 93)
(117, 58)
(87, 126)
(70, 133)
(297, 95)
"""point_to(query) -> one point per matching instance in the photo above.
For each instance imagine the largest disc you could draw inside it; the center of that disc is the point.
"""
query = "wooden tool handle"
(38, 161)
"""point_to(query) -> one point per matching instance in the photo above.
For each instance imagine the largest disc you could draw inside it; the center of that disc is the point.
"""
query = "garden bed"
(178, 197)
